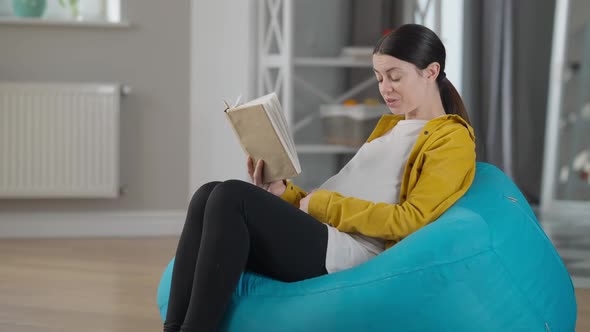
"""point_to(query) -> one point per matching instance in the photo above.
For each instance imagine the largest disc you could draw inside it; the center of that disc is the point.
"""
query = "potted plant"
(73, 5)
(36, 8)
(29, 8)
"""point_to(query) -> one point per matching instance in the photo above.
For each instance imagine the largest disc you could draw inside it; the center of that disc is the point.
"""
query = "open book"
(262, 130)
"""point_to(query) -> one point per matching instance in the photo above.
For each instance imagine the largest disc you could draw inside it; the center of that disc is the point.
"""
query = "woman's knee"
(237, 185)
(230, 191)
(201, 196)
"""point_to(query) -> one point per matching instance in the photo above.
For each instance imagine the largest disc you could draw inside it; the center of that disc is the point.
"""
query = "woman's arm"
(447, 172)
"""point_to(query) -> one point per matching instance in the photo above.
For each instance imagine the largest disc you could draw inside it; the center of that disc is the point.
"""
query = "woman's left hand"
(304, 202)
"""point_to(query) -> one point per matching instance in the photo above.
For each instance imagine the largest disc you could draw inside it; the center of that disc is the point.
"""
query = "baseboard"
(581, 282)
(91, 224)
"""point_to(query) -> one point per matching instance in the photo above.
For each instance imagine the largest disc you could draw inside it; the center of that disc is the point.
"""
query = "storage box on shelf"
(349, 125)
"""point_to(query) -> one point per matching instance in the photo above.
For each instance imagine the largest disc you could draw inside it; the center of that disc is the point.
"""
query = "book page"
(258, 101)
(274, 110)
(275, 113)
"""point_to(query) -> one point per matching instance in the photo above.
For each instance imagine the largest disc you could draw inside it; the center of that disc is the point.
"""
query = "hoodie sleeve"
(447, 171)
(293, 194)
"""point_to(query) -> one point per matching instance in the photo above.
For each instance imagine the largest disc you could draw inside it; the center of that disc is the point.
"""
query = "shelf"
(17, 21)
(325, 149)
(275, 61)
(333, 62)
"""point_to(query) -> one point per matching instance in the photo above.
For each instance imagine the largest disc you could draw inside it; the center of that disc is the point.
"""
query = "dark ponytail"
(451, 100)
(420, 46)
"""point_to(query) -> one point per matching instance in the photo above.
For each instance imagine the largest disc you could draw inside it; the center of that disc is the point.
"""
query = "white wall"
(222, 67)
(153, 57)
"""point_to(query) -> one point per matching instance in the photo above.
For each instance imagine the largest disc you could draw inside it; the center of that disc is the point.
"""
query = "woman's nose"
(386, 86)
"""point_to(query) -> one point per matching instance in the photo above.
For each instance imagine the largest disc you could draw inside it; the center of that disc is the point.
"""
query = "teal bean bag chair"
(484, 265)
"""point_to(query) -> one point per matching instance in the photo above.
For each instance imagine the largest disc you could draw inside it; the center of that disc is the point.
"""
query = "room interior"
(111, 118)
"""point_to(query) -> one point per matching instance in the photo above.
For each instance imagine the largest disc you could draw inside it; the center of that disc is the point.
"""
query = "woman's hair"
(420, 46)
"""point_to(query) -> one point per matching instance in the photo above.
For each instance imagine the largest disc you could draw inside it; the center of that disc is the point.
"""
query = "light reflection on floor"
(572, 241)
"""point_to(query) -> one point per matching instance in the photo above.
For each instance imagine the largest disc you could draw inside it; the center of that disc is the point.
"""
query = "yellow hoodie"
(439, 170)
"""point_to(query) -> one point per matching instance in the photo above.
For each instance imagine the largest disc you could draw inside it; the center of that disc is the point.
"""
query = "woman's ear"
(432, 71)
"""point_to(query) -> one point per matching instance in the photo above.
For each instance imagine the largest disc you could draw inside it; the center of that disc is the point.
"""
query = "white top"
(373, 174)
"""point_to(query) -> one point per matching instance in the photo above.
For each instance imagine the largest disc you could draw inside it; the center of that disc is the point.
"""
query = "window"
(86, 10)
(450, 31)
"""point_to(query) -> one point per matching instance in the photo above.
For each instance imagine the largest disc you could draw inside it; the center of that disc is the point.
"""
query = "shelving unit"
(345, 62)
(277, 63)
(324, 148)
(574, 186)
(565, 195)
(279, 69)
(274, 61)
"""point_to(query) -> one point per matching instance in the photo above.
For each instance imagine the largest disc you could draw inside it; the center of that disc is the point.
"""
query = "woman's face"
(401, 83)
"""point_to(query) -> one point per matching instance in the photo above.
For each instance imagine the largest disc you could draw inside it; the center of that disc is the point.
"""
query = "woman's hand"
(277, 188)
(304, 202)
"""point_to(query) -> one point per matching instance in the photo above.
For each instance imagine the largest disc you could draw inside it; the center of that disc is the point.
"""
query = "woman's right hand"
(277, 188)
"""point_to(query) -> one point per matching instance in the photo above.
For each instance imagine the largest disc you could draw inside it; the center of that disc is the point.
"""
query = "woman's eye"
(396, 79)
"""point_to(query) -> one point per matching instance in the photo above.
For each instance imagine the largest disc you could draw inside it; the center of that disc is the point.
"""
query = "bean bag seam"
(518, 288)
(547, 241)
(554, 253)
(383, 278)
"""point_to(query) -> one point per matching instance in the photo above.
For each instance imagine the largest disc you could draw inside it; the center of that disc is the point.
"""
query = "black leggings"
(230, 227)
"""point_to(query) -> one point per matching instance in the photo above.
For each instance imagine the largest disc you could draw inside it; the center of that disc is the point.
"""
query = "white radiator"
(59, 140)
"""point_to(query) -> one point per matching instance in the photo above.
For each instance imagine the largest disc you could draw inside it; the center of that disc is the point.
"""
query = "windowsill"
(61, 23)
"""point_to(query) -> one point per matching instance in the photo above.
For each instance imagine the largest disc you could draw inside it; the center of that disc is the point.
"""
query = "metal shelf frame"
(276, 62)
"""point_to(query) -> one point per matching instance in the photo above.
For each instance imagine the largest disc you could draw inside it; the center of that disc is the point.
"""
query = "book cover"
(263, 134)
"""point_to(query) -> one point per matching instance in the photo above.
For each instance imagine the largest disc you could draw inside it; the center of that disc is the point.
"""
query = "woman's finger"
(258, 173)
(250, 163)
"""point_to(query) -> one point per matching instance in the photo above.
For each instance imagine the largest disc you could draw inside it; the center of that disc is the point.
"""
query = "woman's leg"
(247, 227)
(186, 259)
